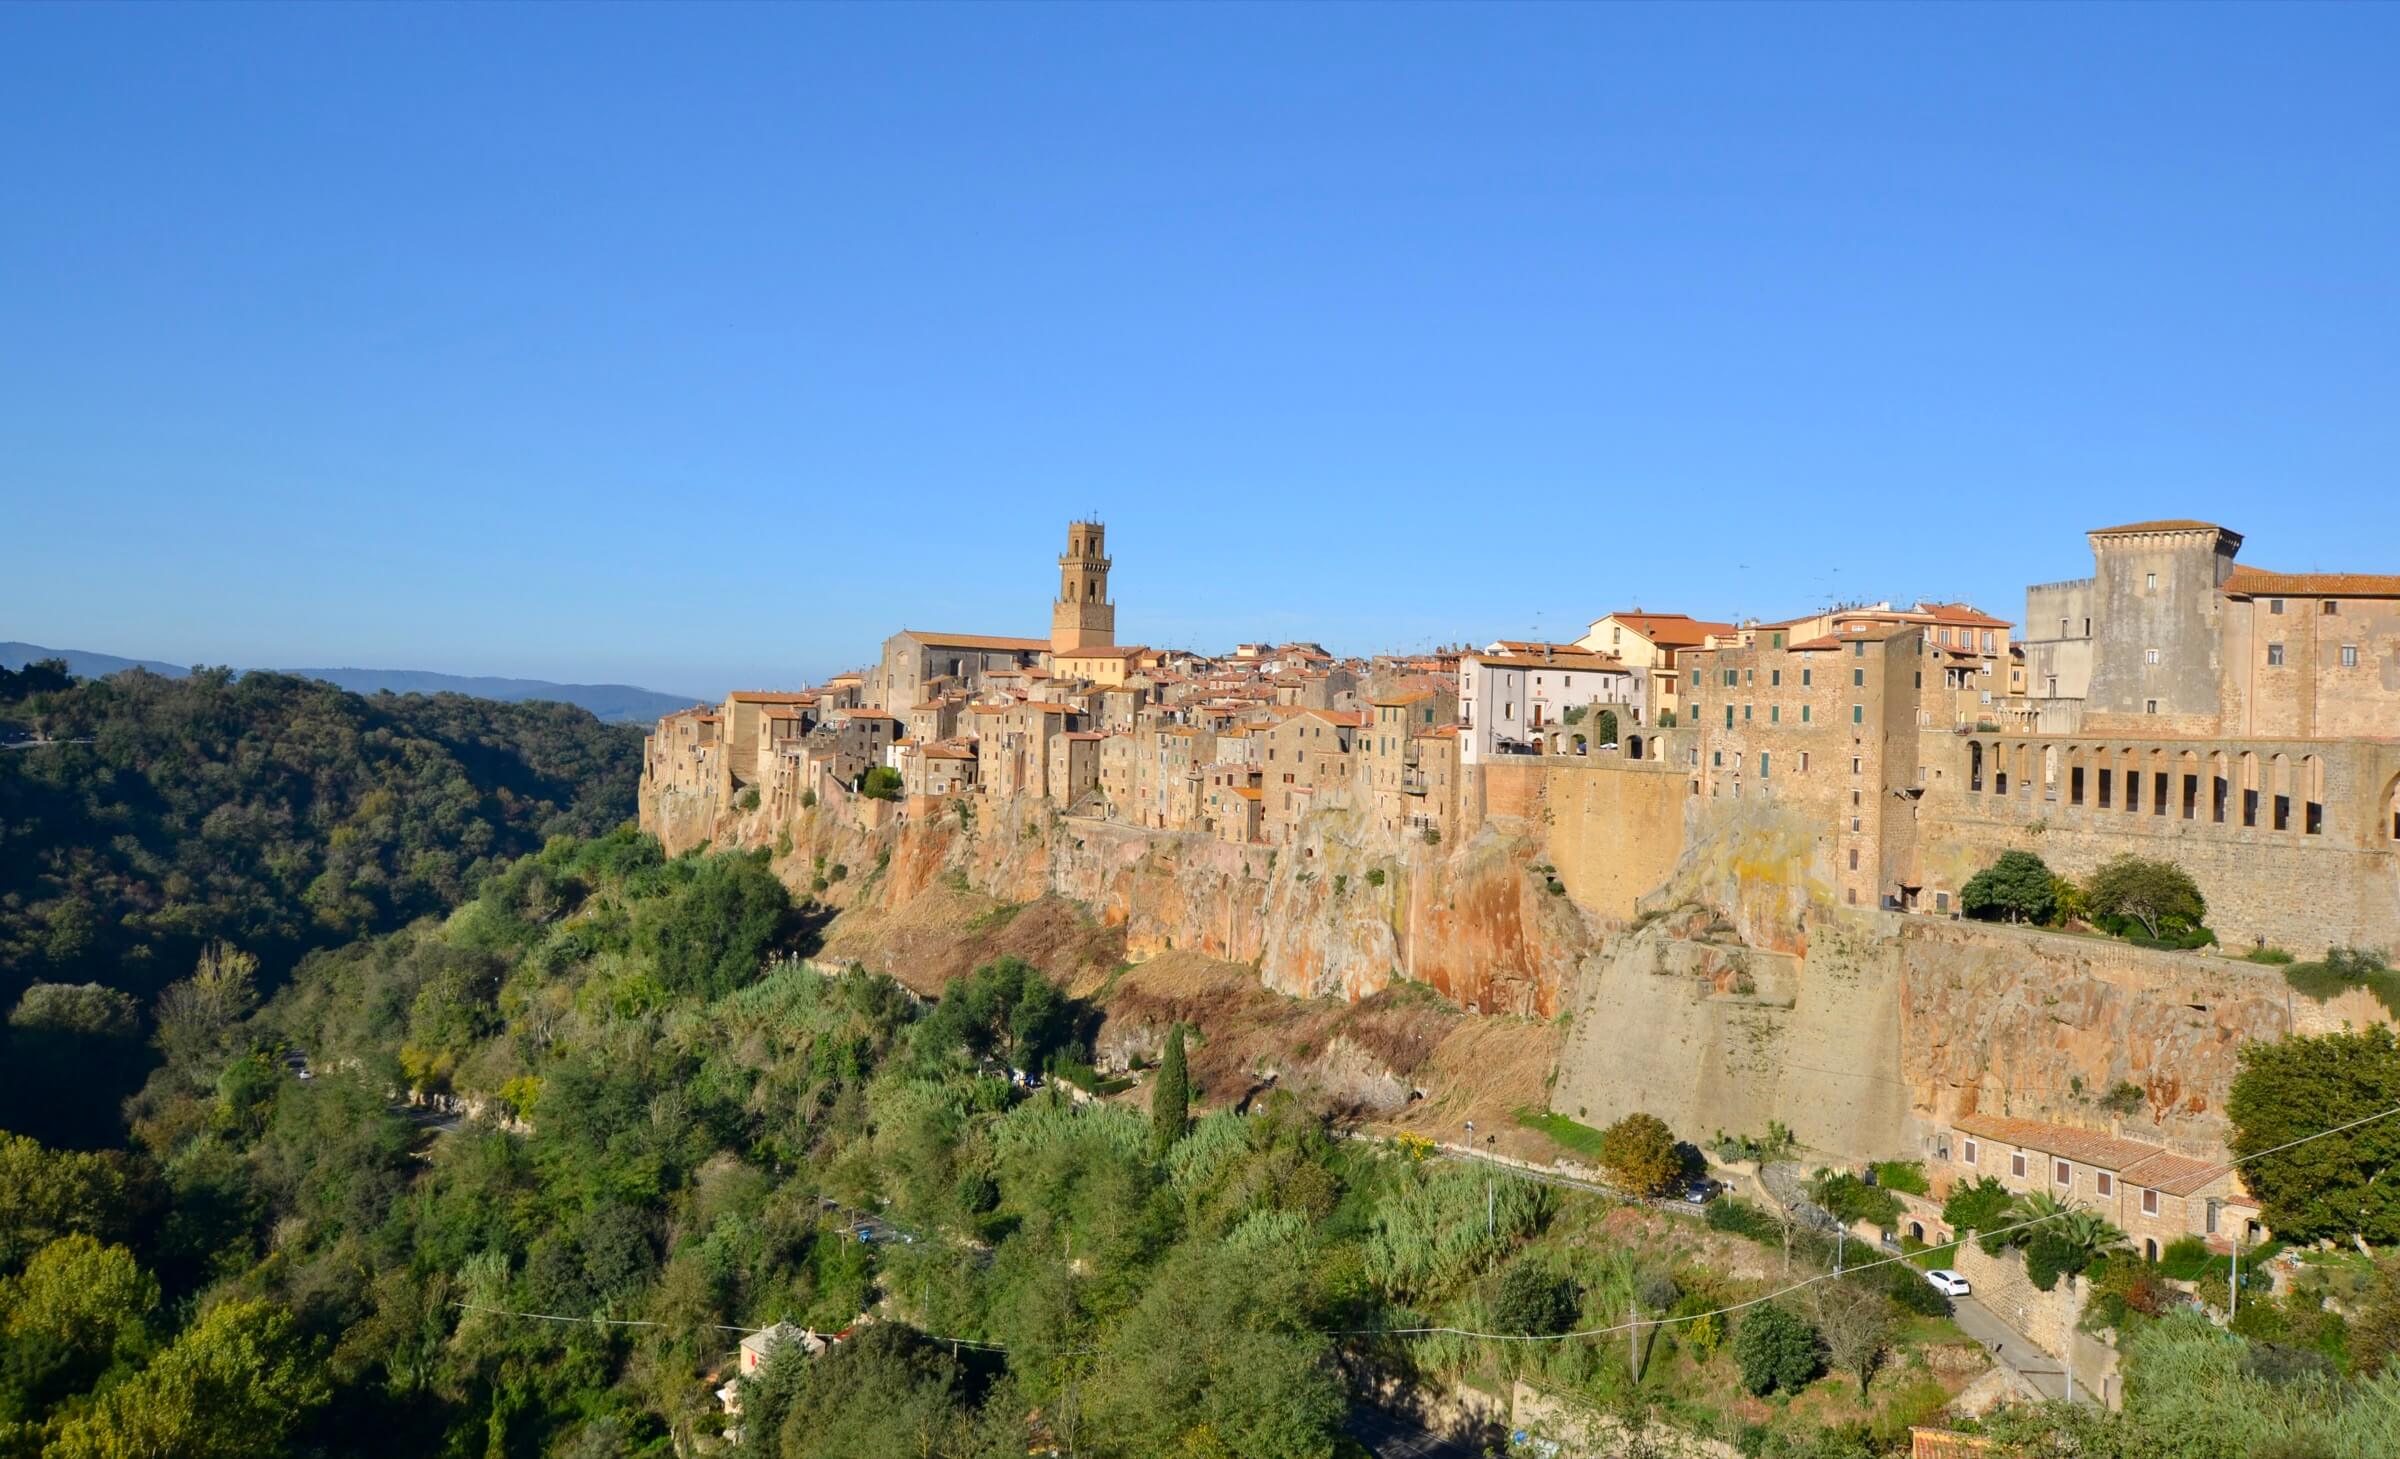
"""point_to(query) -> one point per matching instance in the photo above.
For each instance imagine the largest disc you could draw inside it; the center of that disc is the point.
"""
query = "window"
(1804, 762)
(1854, 763)
(2331, 607)
(2274, 655)
(2107, 1183)
(2149, 1203)
(1749, 676)
(1804, 714)
(2016, 1163)
(2149, 580)
(1745, 714)
(1695, 678)
(1729, 680)
(1858, 678)
(2151, 706)
(2062, 1174)
(1858, 713)
(1729, 716)
(1762, 764)
(1854, 858)
(2349, 655)
(1806, 676)
(2275, 606)
(1858, 650)
(1775, 676)
(1967, 1151)
(1774, 714)
(2149, 656)
(1717, 758)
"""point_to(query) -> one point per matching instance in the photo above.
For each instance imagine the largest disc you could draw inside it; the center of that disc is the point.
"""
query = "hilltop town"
(1734, 854)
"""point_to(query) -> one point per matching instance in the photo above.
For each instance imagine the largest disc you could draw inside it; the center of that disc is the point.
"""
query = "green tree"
(1981, 1205)
(233, 1386)
(46, 1194)
(2015, 888)
(2158, 895)
(2337, 1186)
(78, 1306)
(1607, 728)
(715, 933)
(1776, 1348)
(1640, 1154)
(881, 782)
(1170, 1096)
(1857, 1325)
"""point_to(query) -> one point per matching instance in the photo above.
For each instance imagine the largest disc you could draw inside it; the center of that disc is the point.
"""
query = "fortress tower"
(1083, 617)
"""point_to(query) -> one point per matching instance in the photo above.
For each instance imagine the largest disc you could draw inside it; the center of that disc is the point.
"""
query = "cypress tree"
(1171, 1096)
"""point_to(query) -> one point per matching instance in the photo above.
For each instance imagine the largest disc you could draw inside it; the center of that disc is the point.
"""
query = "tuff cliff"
(1339, 912)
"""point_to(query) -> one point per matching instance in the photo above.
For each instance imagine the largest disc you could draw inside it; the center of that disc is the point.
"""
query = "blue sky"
(698, 347)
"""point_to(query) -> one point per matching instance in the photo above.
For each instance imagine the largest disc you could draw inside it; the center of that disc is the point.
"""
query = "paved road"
(1388, 1436)
(2013, 1350)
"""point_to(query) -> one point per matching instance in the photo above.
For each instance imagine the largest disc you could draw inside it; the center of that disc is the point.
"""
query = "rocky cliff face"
(1341, 912)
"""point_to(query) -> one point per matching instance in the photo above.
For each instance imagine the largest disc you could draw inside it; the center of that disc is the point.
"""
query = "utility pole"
(1841, 1241)
(1491, 1212)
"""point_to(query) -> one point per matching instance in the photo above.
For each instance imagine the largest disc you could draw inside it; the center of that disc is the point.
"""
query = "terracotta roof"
(857, 714)
(1394, 700)
(977, 640)
(1446, 732)
(781, 711)
(1961, 613)
(772, 696)
(2258, 582)
(947, 752)
(1085, 735)
(1044, 706)
(1576, 660)
(2177, 1175)
(1247, 792)
(2170, 524)
(1134, 652)
(1671, 630)
(2085, 1147)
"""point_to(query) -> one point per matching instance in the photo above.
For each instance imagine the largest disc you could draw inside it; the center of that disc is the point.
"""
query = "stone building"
(1074, 767)
(1311, 761)
(1827, 727)
(1013, 745)
(1083, 617)
(2152, 1194)
(918, 665)
(1397, 717)
(1507, 696)
(1651, 644)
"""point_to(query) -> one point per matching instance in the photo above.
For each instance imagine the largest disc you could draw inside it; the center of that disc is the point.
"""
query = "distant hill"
(615, 703)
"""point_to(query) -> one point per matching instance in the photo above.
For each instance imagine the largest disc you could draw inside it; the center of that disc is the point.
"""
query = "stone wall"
(1613, 829)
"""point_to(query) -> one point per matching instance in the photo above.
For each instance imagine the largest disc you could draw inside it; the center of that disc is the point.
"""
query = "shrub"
(881, 783)
(2016, 888)
(748, 799)
(1776, 1349)
(1640, 1155)
(1737, 1217)
(1852, 1199)
(2126, 1099)
(1535, 1299)
(2342, 969)
(2273, 957)
(808, 800)
(1433, 837)
(1903, 1175)
(2185, 1258)
(1374, 876)
(1982, 1205)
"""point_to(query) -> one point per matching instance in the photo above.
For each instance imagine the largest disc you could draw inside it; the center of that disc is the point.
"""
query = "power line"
(1589, 1332)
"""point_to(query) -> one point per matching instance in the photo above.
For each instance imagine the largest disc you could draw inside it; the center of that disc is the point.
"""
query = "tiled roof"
(1575, 660)
(1955, 613)
(1942, 1444)
(1671, 630)
(2258, 582)
(2085, 1147)
(2177, 1175)
(772, 696)
(1133, 652)
(976, 640)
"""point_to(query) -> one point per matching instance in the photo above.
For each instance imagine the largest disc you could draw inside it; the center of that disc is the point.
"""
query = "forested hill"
(271, 812)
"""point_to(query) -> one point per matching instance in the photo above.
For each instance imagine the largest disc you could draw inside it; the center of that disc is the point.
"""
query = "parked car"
(1701, 1192)
(1947, 1282)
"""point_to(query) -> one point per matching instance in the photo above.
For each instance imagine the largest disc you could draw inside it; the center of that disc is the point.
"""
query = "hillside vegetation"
(271, 813)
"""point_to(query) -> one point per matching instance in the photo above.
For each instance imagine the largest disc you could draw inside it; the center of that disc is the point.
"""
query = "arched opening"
(2391, 807)
(2049, 772)
(2220, 786)
(1579, 745)
(1975, 765)
(2187, 784)
(1917, 1230)
(2150, 1248)
(2279, 789)
(2076, 789)
(2160, 791)
(2249, 787)
(2312, 795)
(1633, 747)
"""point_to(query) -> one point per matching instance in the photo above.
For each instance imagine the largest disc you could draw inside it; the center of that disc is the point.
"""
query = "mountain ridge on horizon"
(612, 703)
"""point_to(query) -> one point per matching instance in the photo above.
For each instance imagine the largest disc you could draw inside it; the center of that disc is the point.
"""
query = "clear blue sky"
(697, 347)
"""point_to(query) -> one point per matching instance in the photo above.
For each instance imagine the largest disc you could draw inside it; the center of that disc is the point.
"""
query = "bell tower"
(1083, 617)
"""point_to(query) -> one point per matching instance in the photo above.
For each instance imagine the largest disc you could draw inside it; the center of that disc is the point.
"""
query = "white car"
(1947, 1282)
